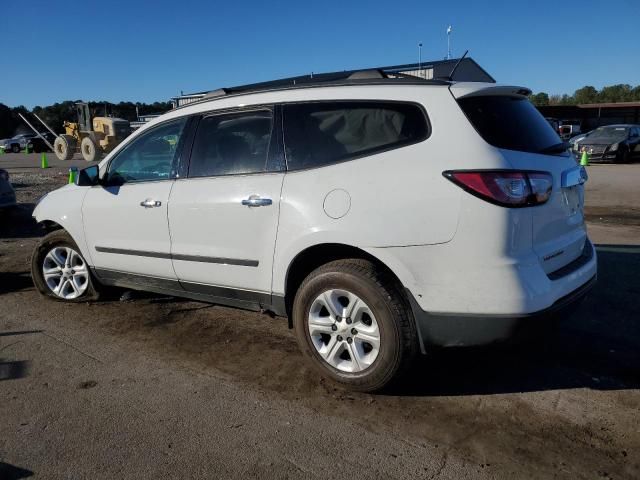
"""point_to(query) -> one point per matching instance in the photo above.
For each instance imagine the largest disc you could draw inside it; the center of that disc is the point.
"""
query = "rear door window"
(231, 144)
(322, 133)
(512, 123)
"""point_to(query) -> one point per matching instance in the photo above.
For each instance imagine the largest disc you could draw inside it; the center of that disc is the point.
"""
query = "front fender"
(64, 207)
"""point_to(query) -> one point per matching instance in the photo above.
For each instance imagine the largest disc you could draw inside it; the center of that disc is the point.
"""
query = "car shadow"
(17, 222)
(14, 282)
(9, 472)
(13, 370)
(598, 347)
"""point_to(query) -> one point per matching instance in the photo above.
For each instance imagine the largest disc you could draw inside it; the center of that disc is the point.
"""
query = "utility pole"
(449, 42)
(420, 59)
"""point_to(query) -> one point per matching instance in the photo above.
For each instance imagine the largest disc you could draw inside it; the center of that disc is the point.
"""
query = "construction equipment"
(95, 137)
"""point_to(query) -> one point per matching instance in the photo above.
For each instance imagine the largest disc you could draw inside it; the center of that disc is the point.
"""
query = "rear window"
(322, 133)
(512, 123)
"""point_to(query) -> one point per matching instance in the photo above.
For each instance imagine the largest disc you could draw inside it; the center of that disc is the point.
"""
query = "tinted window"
(151, 156)
(231, 144)
(509, 122)
(612, 134)
(322, 133)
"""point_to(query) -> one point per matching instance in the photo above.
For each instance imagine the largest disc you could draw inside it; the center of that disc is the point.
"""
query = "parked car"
(7, 193)
(37, 144)
(613, 143)
(383, 216)
(20, 142)
(11, 145)
(569, 129)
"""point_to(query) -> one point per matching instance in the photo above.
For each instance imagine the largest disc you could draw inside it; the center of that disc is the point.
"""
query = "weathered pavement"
(163, 388)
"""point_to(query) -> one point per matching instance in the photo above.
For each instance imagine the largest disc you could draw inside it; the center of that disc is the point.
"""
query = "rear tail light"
(507, 188)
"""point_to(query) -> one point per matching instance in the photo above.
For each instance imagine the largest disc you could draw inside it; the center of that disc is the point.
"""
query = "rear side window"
(231, 144)
(322, 133)
(512, 123)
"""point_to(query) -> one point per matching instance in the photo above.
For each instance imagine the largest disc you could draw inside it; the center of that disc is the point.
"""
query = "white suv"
(383, 216)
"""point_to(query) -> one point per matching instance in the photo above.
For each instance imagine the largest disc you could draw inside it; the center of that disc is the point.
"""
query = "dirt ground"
(156, 387)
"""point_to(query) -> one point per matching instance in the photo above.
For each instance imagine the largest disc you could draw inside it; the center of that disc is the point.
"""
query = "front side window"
(322, 133)
(149, 157)
(231, 144)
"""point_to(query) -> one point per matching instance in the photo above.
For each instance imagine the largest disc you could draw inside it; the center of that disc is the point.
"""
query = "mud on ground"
(567, 406)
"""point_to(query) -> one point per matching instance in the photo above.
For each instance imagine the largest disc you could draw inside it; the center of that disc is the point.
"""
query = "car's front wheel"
(351, 320)
(59, 270)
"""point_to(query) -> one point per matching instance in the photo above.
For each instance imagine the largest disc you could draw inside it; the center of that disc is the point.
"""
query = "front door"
(125, 219)
(223, 217)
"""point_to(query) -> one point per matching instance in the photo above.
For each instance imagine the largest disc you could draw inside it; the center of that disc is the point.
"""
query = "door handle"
(148, 203)
(256, 201)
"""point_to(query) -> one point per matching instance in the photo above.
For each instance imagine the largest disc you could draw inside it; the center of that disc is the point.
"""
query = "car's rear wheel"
(59, 270)
(352, 321)
(15, 148)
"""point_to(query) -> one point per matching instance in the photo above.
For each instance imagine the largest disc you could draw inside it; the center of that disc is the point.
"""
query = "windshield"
(512, 123)
(615, 134)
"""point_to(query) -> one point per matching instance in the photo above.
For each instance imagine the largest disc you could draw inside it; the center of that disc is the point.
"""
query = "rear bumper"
(462, 330)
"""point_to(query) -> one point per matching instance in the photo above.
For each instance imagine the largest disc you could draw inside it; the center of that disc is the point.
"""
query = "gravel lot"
(157, 387)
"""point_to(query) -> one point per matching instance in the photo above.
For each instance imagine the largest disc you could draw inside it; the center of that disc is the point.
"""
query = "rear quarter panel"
(397, 198)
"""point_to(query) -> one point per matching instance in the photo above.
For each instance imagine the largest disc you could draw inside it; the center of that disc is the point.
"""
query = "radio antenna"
(450, 77)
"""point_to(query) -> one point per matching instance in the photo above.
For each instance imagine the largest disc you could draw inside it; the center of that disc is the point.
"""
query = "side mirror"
(87, 177)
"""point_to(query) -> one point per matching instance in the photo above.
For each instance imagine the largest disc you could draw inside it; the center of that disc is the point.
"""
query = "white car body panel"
(207, 219)
(454, 252)
(64, 207)
(114, 219)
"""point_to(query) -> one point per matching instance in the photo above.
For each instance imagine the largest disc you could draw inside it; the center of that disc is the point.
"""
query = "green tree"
(567, 100)
(587, 94)
(616, 93)
(540, 98)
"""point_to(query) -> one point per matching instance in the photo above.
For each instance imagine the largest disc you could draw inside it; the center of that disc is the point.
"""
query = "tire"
(380, 307)
(15, 148)
(64, 147)
(54, 252)
(89, 148)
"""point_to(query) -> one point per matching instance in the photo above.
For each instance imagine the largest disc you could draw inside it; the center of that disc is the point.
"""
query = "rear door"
(223, 216)
(511, 123)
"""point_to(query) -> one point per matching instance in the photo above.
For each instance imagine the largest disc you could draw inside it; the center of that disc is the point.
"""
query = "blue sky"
(149, 51)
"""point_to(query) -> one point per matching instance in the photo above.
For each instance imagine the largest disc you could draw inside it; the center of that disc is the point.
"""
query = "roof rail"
(395, 74)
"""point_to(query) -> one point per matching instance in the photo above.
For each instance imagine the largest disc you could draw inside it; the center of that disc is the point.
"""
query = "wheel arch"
(62, 210)
(314, 256)
(49, 225)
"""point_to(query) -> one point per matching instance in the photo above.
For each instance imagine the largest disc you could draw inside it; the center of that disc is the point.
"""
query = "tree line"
(588, 94)
(54, 115)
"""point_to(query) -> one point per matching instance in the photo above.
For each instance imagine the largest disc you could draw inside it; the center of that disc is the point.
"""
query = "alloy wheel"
(344, 330)
(65, 273)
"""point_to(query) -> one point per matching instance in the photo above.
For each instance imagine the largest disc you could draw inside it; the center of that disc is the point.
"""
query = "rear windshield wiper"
(556, 148)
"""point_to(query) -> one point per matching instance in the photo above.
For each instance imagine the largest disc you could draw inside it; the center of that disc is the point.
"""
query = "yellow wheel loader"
(95, 137)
